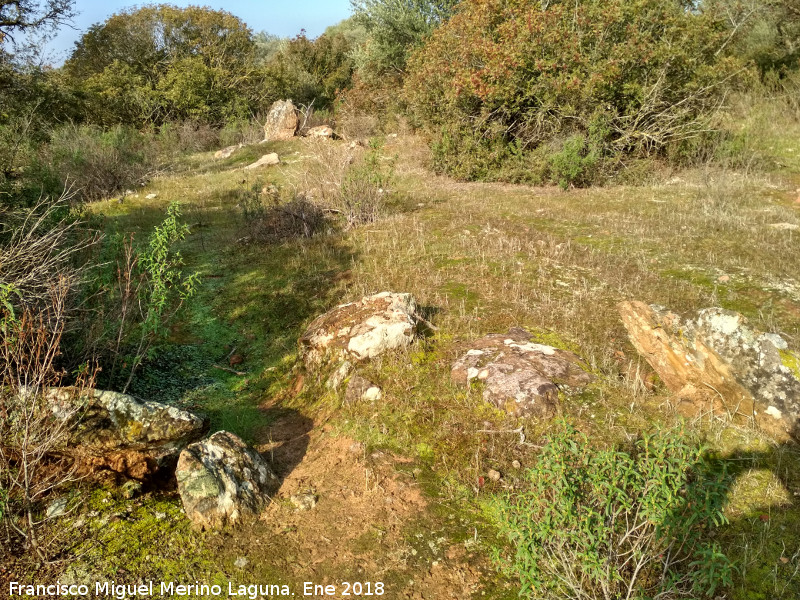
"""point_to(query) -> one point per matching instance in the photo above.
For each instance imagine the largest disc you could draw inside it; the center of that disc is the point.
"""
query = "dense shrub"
(504, 78)
(92, 161)
(616, 524)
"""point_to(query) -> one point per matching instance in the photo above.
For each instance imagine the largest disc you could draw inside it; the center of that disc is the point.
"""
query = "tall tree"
(26, 15)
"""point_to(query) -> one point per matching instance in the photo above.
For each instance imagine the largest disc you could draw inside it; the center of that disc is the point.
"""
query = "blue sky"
(281, 17)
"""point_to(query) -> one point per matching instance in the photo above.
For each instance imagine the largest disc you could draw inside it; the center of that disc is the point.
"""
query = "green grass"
(479, 258)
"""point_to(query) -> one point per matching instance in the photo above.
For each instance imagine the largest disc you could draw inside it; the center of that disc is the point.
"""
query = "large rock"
(124, 434)
(717, 358)
(222, 481)
(282, 121)
(357, 332)
(519, 376)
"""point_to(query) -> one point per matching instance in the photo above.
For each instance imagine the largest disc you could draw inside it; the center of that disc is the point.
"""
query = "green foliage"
(394, 28)
(311, 70)
(365, 186)
(617, 523)
(764, 32)
(94, 162)
(630, 76)
(574, 163)
(160, 63)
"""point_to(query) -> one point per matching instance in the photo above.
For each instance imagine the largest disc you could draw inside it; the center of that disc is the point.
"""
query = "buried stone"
(519, 376)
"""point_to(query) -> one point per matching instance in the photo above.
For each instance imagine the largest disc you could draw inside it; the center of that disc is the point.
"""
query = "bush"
(632, 77)
(94, 162)
(617, 523)
(272, 214)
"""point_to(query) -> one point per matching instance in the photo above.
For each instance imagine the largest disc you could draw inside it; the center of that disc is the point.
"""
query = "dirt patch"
(366, 524)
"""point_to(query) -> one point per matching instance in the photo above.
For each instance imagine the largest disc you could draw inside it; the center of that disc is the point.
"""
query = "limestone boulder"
(520, 376)
(222, 481)
(122, 433)
(716, 358)
(282, 121)
(358, 332)
(265, 161)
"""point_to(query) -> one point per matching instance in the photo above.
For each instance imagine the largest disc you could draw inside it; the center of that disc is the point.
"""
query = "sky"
(279, 17)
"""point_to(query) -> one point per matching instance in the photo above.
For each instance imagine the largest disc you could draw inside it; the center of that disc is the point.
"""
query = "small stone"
(130, 489)
(785, 226)
(160, 516)
(57, 507)
(724, 279)
(304, 501)
(494, 475)
(516, 464)
(151, 196)
(240, 563)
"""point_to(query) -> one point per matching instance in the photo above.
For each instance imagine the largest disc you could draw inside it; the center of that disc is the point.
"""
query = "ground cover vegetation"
(661, 134)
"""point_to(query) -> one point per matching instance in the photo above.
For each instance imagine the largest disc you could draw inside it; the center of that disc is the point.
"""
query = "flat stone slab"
(520, 376)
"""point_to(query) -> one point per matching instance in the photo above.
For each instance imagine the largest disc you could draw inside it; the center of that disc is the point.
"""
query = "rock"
(323, 131)
(357, 332)
(717, 358)
(57, 508)
(785, 226)
(494, 475)
(124, 434)
(151, 196)
(222, 481)
(282, 121)
(519, 376)
(241, 562)
(304, 501)
(265, 161)
(226, 152)
(361, 389)
(130, 489)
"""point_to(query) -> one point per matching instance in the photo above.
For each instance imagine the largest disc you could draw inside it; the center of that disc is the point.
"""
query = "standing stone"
(282, 122)
(222, 481)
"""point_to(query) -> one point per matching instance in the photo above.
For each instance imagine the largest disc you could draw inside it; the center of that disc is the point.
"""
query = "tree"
(160, 63)
(395, 28)
(506, 78)
(27, 15)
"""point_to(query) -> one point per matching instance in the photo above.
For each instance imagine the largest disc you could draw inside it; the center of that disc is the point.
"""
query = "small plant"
(272, 213)
(574, 163)
(617, 524)
(365, 187)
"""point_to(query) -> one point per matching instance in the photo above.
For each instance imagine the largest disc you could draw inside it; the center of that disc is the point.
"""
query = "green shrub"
(616, 524)
(632, 77)
(94, 162)
(574, 164)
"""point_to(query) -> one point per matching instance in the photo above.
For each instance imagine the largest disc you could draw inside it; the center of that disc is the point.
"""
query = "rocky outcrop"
(282, 121)
(717, 358)
(222, 481)
(124, 434)
(357, 332)
(519, 376)
(322, 131)
(265, 161)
